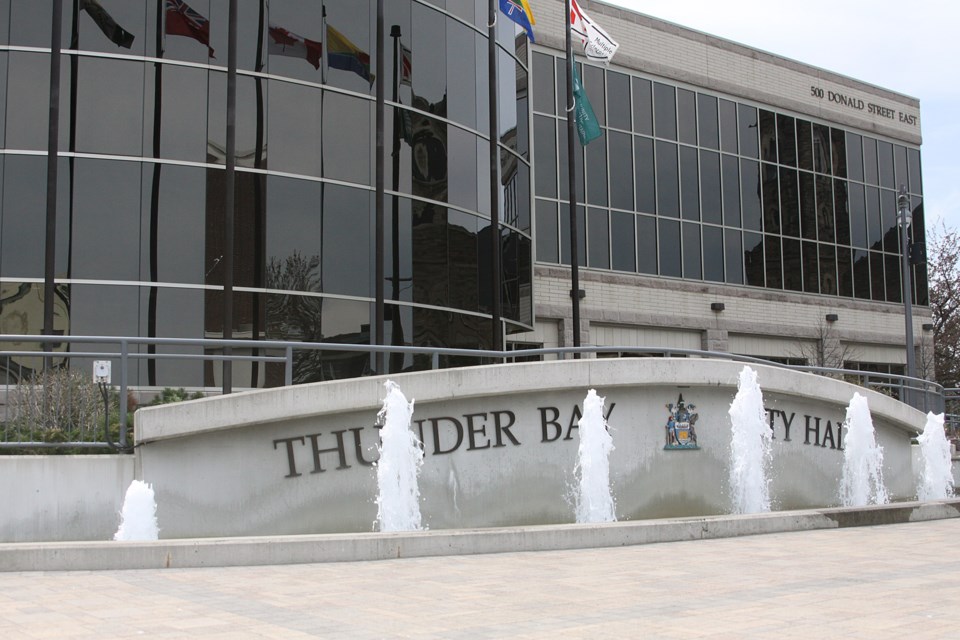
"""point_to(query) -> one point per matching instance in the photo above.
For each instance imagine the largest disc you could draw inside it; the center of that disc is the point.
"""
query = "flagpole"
(495, 258)
(53, 138)
(155, 200)
(396, 327)
(378, 270)
(572, 179)
(230, 197)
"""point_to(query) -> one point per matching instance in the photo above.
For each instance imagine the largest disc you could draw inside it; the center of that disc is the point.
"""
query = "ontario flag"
(184, 21)
(287, 43)
(597, 43)
(346, 56)
(406, 65)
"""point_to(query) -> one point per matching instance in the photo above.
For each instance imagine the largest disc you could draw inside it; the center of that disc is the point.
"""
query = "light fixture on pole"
(904, 219)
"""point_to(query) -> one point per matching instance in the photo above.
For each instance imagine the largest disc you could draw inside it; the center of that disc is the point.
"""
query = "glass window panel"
(786, 140)
(294, 228)
(294, 135)
(768, 136)
(861, 274)
(878, 287)
(771, 245)
(545, 144)
(565, 235)
(247, 121)
(463, 261)
(804, 145)
(593, 83)
(821, 148)
(646, 244)
(5, 12)
(825, 219)
(731, 190)
(707, 121)
(900, 166)
(874, 224)
(841, 211)
(858, 216)
(689, 184)
(398, 249)
(181, 200)
(668, 187)
(687, 115)
(712, 253)
(28, 100)
(645, 175)
(347, 236)
(512, 119)
(885, 157)
(748, 125)
(750, 192)
(888, 221)
(665, 111)
(564, 188)
(845, 272)
(176, 313)
(669, 241)
(892, 269)
(3, 86)
(173, 120)
(561, 76)
(23, 236)
(622, 236)
(618, 105)
(753, 261)
(771, 198)
(462, 64)
(544, 88)
(789, 202)
(839, 149)
(514, 190)
(621, 170)
(30, 24)
(733, 253)
(548, 239)
(692, 266)
(598, 236)
(109, 310)
(462, 174)
(728, 126)
(871, 174)
(811, 273)
(808, 206)
(913, 163)
(792, 265)
(828, 269)
(596, 165)
(710, 196)
(642, 109)
(854, 156)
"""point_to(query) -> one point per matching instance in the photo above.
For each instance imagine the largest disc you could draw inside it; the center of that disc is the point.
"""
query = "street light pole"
(904, 219)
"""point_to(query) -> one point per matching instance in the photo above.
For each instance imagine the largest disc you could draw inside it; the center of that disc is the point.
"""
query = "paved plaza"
(891, 581)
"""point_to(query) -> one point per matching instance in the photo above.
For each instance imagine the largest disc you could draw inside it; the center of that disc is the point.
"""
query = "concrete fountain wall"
(500, 444)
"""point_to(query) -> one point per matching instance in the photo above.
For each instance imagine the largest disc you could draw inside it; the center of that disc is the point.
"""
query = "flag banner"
(405, 125)
(597, 43)
(184, 21)
(117, 34)
(520, 12)
(588, 128)
(287, 43)
(406, 66)
(346, 56)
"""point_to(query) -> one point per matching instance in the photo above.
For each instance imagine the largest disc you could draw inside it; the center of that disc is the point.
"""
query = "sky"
(911, 48)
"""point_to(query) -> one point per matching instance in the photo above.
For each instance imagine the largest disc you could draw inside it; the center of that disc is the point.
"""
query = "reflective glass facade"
(141, 189)
(701, 186)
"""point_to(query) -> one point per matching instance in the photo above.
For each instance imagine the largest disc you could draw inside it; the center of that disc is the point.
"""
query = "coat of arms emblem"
(681, 433)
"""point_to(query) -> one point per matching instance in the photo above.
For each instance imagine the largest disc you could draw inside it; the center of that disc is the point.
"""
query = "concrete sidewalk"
(891, 581)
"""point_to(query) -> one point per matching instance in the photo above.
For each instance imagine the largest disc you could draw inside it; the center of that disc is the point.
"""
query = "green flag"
(587, 126)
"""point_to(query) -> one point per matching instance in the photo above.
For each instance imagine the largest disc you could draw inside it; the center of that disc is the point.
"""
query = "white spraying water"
(401, 456)
(936, 477)
(138, 517)
(594, 503)
(862, 480)
(749, 447)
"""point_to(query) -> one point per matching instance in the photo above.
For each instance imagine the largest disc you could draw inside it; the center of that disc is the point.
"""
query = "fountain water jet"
(138, 517)
(936, 478)
(401, 456)
(749, 447)
(594, 503)
(862, 480)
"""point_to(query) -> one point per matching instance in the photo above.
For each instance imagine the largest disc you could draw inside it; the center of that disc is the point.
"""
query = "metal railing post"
(288, 367)
(435, 360)
(124, 354)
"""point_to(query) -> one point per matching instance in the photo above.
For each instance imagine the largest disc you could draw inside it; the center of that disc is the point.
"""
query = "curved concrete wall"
(500, 446)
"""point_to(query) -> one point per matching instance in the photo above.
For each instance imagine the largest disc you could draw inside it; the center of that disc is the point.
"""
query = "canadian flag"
(287, 43)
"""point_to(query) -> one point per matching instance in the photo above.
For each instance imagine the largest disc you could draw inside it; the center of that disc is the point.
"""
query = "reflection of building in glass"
(744, 186)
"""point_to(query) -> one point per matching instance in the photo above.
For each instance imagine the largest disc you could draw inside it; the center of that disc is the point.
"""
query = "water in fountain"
(936, 479)
(138, 517)
(594, 503)
(862, 480)
(401, 456)
(749, 447)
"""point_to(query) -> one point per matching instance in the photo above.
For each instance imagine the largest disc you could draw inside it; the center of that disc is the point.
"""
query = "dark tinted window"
(646, 244)
(750, 194)
(642, 109)
(789, 202)
(710, 196)
(733, 250)
(687, 115)
(624, 256)
(771, 198)
(689, 184)
(728, 126)
(804, 145)
(543, 83)
(692, 268)
(730, 168)
(621, 170)
(792, 265)
(547, 232)
(748, 126)
(838, 149)
(545, 142)
(871, 173)
(707, 119)
(712, 253)
(598, 236)
(669, 236)
(786, 140)
(645, 171)
(618, 94)
(665, 111)
(821, 149)
(854, 156)
(668, 202)
(771, 246)
(768, 136)
(753, 259)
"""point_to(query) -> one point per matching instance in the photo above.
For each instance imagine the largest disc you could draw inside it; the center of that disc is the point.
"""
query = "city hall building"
(736, 201)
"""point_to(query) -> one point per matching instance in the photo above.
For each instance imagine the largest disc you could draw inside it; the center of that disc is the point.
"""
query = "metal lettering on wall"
(858, 104)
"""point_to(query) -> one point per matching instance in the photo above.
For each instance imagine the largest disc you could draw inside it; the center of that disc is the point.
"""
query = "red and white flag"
(406, 65)
(597, 43)
(287, 43)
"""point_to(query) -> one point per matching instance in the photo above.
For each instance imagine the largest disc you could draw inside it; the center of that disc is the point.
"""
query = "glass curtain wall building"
(141, 186)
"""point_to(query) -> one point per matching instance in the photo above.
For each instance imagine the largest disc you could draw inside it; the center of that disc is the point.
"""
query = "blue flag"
(588, 128)
(519, 11)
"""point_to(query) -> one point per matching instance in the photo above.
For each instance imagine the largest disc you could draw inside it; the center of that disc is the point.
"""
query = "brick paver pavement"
(893, 581)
